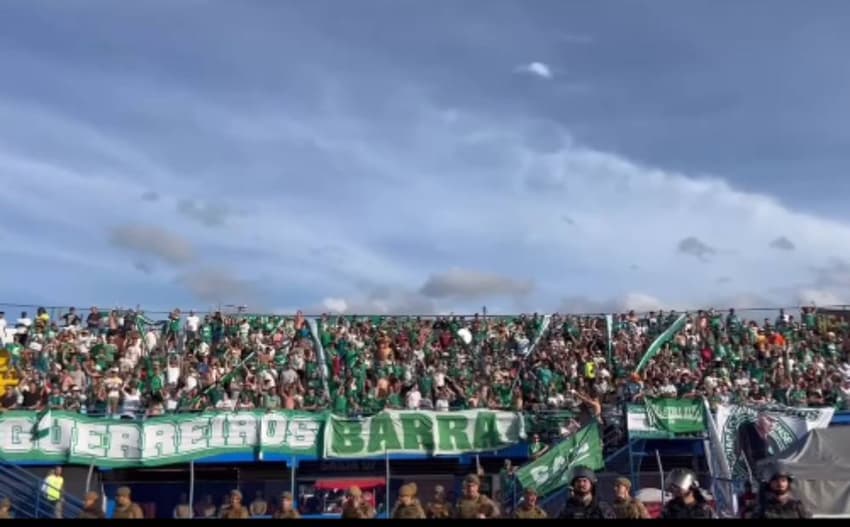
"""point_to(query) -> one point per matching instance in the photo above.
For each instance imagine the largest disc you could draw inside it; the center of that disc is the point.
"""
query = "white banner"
(749, 434)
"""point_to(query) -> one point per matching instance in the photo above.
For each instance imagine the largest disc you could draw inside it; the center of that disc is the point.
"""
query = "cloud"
(640, 302)
(153, 241)
(695, 247)
(380, 301)
(537, 69)
(204, 213)
(143, 267)
(218, 286)
(724, 280)
(150, 195)
(467, 284)
(782, 243)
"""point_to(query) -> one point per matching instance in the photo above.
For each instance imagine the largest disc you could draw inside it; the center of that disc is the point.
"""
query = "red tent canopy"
(363, 483)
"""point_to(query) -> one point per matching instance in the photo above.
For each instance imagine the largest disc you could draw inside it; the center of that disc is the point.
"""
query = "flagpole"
(191, 488)
(387, 499)
(661, 472)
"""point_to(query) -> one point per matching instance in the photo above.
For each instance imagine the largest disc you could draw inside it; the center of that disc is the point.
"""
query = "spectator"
(355, 506)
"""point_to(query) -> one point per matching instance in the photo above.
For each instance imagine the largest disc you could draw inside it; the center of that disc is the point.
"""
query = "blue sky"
(408, 156)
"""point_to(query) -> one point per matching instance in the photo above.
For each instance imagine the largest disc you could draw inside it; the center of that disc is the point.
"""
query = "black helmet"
(781, 473)
(583, 472)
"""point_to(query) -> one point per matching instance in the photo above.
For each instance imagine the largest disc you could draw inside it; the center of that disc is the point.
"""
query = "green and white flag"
(666, 418)
(64, 437)
(422, 432)
(662, 339)
(552, 471)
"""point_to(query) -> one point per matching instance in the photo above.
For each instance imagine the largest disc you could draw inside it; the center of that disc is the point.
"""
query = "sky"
(410, 157)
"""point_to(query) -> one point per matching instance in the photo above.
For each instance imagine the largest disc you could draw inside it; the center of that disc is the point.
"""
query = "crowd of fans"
(120, 363)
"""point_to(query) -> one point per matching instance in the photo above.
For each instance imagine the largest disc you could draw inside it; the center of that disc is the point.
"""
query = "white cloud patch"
(537, 69)
(205, 213)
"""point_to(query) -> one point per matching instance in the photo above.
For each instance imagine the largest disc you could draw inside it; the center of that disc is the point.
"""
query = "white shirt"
(3, 324)
(442, 405)
(193, 322)
(413, 399)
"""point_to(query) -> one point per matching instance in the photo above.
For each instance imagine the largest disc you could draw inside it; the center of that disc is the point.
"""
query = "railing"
(25, 491)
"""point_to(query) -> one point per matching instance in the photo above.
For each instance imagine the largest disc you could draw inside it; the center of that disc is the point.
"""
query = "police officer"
(286, 510)
(779, 502)
(473, 504)
(355, 506)
(92, 507)
(439, 507)
(236, 510)
(583, 503)
(408, 506)
(6, 509)
(688, 501)
(625, 506)
(125, 509)
(529, 508)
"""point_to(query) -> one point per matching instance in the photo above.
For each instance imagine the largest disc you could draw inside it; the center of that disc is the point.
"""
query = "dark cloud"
(205, 213)
(143, 267)
(724, 280)
(693, 246)
(634, 301)
(783, 244)
(568, 220)
(150, 196)
(836, 274)
(153, 241)
(634, 267)
(466, 284)
(218, 286)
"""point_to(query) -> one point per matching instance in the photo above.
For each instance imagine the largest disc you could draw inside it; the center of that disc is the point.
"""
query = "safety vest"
(54, 487)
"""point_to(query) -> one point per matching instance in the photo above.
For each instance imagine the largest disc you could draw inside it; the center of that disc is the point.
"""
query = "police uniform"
(439, 508)
(527, 511)
(790, 507)
(93, 511)
(237, 512)
(577, 508)
(351, 511)
(679, 510)
(291, 514)
(628, 508)
(131, 512)
(683, 480)
(468, 508)
(411, 511)
(6, 509)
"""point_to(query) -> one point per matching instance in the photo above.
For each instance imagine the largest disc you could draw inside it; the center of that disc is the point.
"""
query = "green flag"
(662, 339)
(552, 471)
(676, 416)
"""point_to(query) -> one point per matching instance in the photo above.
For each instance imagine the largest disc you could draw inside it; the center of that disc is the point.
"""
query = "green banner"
(676, 416)
(662, 339)
(63, 437)
(666, 418)
(552, 470)
(422, 432)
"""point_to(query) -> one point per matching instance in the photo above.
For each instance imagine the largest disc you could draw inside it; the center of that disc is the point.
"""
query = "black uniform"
(791, 508)
(677, 509)
(577, 509)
